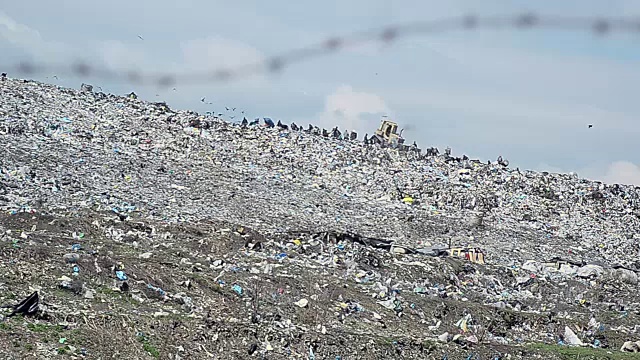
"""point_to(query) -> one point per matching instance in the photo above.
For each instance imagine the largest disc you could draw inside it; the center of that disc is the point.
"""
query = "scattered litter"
(28, 307)
(71, 258)
(630, 346)
(121, 275)
(194, 205)
(570, 338)
(463, 323)
(238, 289)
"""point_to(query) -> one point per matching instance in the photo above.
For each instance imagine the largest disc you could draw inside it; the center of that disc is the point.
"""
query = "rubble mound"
(130, 228)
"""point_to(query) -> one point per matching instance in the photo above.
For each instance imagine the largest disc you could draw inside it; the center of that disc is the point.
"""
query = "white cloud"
(196, 56)
(205, 54)
(216, 51)
(622, 172)
(522, 89)
(502, 107)
(118, 55)
(28, 39)
(18, 34)
(347, 109)
(527, 101)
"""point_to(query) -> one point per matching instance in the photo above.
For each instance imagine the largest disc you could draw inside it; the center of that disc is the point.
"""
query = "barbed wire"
(384, 35)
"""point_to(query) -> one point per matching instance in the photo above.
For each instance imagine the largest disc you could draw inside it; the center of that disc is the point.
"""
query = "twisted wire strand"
(384, 35)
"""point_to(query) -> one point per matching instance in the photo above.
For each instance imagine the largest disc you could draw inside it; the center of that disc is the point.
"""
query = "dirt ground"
(222, 291)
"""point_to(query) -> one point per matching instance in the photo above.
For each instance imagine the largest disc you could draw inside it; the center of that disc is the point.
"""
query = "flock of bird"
(335, 133)
(268, 122)
(315, 130)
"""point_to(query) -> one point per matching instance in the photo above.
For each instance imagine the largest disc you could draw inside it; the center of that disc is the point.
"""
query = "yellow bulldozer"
(387, 135)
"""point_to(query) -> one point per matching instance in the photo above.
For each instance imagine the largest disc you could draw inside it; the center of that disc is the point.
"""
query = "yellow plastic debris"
(407, 200)
(462, 323)
(297, 242)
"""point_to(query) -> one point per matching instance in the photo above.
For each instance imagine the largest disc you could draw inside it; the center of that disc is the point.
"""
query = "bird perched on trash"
(268, 122)
(294, 127)
(3, 77)
(245, 122)
(255, 122)
(336, 134)
(282, 126)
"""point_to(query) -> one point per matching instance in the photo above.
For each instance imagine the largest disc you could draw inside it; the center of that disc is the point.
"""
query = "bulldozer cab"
(388, 130)
(387, 134)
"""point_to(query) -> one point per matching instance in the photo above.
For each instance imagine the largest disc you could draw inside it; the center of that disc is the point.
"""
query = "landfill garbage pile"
(129, 228)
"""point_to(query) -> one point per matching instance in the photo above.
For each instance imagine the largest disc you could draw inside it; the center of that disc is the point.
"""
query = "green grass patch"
(109, 292)
(43, 328)
(148, 346)
(584, 353)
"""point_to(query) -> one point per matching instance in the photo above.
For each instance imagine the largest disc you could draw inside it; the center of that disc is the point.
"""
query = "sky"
(527, 95)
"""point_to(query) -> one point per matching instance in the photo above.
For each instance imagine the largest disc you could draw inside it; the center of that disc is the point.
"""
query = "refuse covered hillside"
(131, 229)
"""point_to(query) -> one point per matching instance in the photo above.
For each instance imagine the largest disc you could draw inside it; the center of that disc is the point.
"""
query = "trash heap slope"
(153, 233)
(65, 150)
